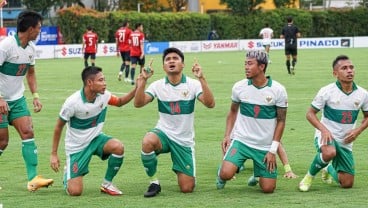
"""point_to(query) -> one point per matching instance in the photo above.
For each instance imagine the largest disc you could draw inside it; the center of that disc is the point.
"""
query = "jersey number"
(256, 110)
(21, 69)
(175, 107)
(135, 41)
(346, 117)
(121, 37)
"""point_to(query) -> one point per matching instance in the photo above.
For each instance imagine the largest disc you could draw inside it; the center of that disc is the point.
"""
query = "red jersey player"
(137, 49)
(89, 47)
(122, 39)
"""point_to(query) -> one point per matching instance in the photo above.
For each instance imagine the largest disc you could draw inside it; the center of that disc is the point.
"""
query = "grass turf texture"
(59, 78)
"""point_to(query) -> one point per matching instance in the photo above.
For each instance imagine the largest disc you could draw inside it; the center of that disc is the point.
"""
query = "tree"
(43, 6)
(145, 5)
(177, 4)
(242, 7)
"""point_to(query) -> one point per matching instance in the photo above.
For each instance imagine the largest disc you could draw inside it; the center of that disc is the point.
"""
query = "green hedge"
(185, 26)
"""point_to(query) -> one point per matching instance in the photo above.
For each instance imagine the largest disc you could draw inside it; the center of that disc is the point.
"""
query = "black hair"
(27, 19)
(125, 23)
(89, 28)
(138, 25)
(289, 19)
(89, 72)
(338, 58)
(172, 50)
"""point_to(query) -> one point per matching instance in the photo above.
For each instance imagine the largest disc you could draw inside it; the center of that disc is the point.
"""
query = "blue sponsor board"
(47, 36)
(155, 47)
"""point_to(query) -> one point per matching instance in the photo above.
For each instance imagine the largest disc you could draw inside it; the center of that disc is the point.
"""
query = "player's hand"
(4, 107)
(37, 105)
(326, 137)
(225, 144)
(290, 175)
(147, 72)
(270, 160)
(117, 54)
(197, 69)
(351, 136)
(54, 162)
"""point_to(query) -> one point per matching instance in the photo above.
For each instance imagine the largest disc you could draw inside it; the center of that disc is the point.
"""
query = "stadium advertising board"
(186, 46)
(303, 43)
(155, 47)
(47, 36)
(109, 49)
(220, 45)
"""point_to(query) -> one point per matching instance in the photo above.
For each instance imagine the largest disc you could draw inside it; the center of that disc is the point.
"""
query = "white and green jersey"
(340, 110)
(14, 64)
(267, 34)
(84, 119)
(256, 120)
(176, 108)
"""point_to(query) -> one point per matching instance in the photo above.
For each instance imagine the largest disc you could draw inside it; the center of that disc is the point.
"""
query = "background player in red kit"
(137, 49)
(122, 36)
(89, 47)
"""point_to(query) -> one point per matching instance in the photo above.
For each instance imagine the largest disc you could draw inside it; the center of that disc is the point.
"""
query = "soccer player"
(17, 60)
(89, 46)
(266, 34)
(84, 113)
(122, 38)
(340, 103)
(254, 124)
(174, 132)
(137, 50)
(290, 33)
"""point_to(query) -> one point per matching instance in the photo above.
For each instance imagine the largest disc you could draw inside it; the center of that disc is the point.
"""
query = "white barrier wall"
(109, 49)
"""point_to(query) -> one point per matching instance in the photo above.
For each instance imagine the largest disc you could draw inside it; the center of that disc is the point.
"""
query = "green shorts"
(77, 163)
(182, 157)
(238, 153)
(344, 159)
(18, 108)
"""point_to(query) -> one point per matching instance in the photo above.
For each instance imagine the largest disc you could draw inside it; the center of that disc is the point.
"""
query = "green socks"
(317, 164)
(149, 161)
(113, 166)
(29, 152)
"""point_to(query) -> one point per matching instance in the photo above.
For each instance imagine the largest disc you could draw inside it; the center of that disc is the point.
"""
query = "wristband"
(35, 95)
(287, 168)
(274, 146)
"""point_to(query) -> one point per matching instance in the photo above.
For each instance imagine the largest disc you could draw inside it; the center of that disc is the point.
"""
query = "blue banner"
(47, 36)
(155, 47)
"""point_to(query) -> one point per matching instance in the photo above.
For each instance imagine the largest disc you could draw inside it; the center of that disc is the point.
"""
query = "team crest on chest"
(269, 99)
(185, 93)
(356, 103)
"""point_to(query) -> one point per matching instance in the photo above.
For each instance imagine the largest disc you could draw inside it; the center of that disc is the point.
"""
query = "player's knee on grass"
(186, 186)
(346, 180)
(74, 190)
(267, 185)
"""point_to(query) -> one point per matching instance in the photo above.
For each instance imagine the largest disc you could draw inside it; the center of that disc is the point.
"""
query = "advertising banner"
(47, 36)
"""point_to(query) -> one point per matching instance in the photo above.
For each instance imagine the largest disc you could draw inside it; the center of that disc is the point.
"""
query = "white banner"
(109, 49)
(220, 45)
(187, 46)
